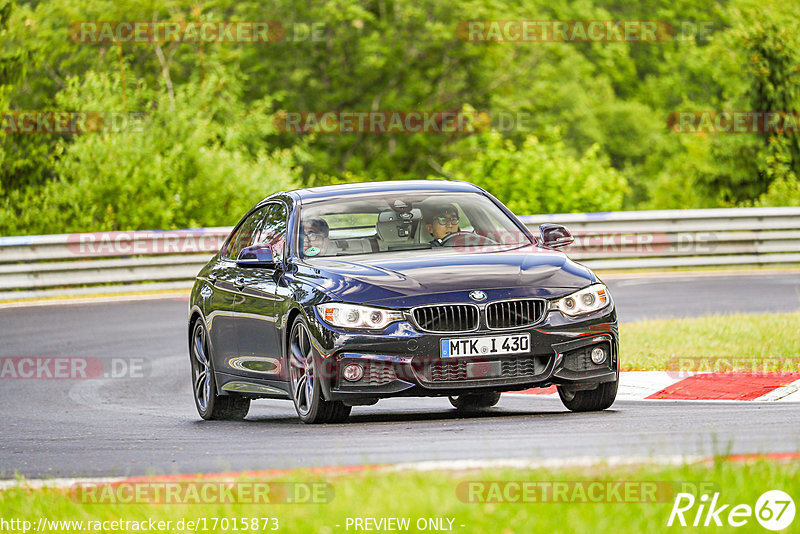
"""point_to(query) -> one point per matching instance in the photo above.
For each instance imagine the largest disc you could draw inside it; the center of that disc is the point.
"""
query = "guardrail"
(72, 264)
(681, 238)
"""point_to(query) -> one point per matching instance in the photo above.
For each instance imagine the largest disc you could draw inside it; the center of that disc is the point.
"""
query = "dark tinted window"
(378, 223)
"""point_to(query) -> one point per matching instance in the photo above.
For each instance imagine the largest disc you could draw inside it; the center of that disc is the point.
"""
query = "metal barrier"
(681, 238)
(73, 264)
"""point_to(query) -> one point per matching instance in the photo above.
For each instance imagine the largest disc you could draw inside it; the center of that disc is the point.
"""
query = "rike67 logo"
(774, 510)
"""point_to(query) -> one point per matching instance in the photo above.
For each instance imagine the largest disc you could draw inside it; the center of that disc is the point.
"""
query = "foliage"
(595, 135)
(189, 162)
(539, 177)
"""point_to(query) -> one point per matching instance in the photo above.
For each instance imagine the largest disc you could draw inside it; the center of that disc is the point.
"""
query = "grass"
(445, 494)
(740, 342)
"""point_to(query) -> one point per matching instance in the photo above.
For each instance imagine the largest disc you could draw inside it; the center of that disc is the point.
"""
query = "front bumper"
(404, 362)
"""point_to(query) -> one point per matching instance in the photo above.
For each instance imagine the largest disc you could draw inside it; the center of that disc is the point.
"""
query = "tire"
(204, 385)
(305, 381)
(475, 401)
(592, 400)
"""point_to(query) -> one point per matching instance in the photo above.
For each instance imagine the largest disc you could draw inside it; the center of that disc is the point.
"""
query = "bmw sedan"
(339, 296)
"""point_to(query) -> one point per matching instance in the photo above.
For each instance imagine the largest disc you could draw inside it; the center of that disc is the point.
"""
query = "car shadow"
(427, 416)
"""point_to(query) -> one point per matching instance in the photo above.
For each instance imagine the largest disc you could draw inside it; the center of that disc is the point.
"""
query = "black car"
(338, 296)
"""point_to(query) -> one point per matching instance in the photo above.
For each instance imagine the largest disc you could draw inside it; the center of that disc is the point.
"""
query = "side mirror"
(555, 235)
(256, 256)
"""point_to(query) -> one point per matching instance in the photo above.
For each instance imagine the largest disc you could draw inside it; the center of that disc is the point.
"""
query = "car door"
(228, 281)
(259, 345)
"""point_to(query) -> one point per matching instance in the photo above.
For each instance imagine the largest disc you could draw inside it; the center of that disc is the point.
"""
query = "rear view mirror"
(256, 256)
(555, 235)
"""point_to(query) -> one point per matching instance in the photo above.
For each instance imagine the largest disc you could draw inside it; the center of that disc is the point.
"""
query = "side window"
(245, 234)
(273, 230)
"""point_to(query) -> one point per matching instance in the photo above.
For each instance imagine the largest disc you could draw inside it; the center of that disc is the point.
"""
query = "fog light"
(598, 355)
(353, 372)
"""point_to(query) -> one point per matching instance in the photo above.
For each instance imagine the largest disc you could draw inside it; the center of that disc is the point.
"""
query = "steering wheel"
(471, 238)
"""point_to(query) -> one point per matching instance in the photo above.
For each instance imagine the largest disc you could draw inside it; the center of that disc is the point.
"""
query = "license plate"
(485, 346)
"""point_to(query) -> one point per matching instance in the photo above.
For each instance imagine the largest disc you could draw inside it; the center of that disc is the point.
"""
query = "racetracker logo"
(575, 491)
(203, 492)
(72, 368)
(70, 122)
(753, 366)
(594, 244)
(564, 31)
(730, 122)
(145, 242)
(382, 122)
(126, 31)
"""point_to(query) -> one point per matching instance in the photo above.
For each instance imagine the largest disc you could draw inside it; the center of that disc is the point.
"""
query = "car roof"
(332, 191)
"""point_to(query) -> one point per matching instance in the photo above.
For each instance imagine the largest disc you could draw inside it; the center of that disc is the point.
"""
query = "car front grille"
(515, 313)
(522, 367)
(581, 359)
(447, 318)
(455, 318)
(447, 371)
(455, 370)
(377, 374)
(578, 361)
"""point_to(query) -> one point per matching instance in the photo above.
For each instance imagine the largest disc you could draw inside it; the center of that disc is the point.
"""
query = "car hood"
(405, 278)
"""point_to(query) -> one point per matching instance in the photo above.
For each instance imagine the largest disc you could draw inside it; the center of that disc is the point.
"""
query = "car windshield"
(386, 223)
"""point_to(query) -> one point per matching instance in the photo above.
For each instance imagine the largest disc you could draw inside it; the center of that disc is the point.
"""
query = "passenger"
(441, 221)
(314, 233)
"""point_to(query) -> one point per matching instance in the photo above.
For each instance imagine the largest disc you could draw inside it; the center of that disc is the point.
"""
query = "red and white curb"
(425, 466)
(679, 385)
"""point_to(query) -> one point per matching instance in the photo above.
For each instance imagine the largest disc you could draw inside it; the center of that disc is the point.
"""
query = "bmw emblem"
(477, 295)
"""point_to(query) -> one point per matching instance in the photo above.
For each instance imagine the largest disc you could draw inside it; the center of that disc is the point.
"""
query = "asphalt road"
(130, 426)
(646, 297)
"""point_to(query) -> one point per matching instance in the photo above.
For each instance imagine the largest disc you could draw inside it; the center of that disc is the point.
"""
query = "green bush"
(190, 161)
(539, 176)
(209, 149)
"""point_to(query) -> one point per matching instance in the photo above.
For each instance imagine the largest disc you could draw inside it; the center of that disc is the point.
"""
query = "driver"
(315, 237)
(441, 221)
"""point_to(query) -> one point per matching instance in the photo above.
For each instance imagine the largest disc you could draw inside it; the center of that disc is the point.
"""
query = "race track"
(129, 426)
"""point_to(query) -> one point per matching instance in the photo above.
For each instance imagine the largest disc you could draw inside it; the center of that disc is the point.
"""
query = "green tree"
(190, 161)
(539, 177)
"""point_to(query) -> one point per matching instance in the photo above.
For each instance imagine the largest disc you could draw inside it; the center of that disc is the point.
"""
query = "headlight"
(587, 300)
(352, 316)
